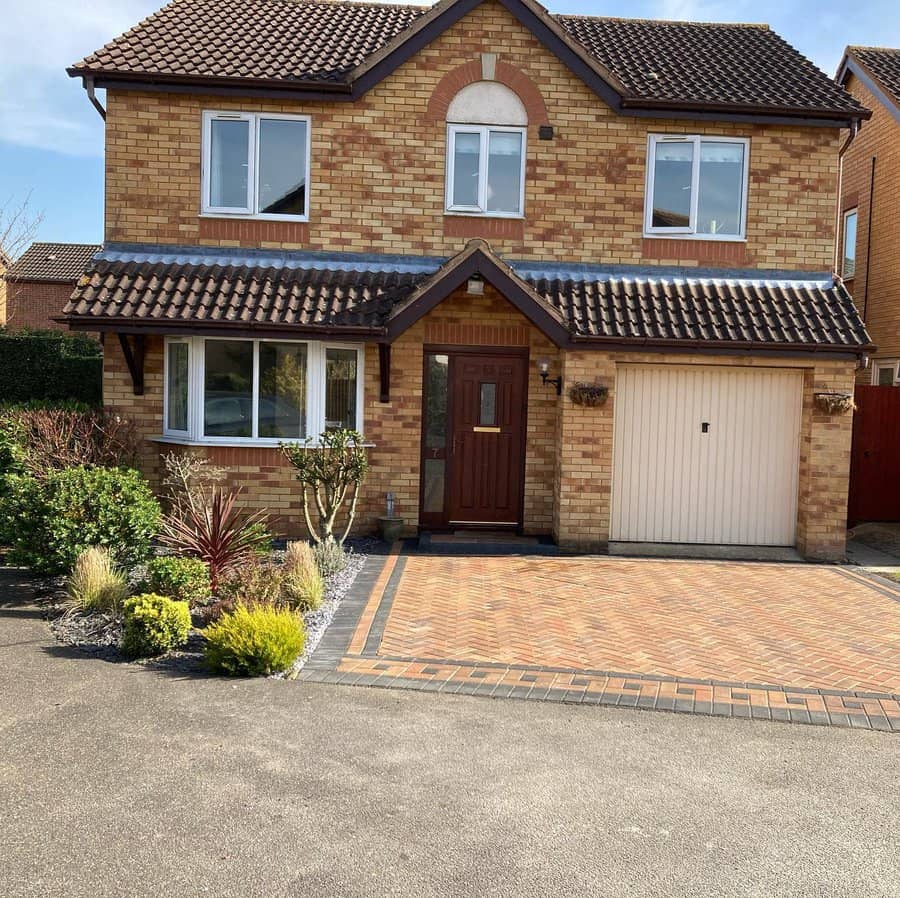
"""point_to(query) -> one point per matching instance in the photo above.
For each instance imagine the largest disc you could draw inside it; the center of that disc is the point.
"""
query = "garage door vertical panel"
(706, 455)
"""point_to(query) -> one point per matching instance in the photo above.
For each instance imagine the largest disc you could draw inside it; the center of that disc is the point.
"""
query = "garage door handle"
(704, 427)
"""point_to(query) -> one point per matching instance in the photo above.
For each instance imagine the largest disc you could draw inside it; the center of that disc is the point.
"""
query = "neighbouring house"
(567, 275)
(38, 284)
(870, 204)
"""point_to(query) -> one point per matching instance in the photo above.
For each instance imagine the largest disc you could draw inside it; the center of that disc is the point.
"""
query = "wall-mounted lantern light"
(544, 368)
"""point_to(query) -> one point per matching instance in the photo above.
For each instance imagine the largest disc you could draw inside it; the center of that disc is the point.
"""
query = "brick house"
(37, 286)
(869, 253)
(569, 276)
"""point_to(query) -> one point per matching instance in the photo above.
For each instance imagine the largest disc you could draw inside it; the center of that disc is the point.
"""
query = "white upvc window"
(235, 391)
(255, 165)
(486, 170)
(885, 373)
(696, 187)
(848, 243)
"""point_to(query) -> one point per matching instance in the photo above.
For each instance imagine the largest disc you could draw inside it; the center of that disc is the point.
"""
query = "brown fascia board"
(724, 347)
(211, 328)
(851, 65)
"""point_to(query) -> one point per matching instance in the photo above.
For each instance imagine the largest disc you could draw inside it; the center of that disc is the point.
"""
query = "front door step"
(480, 542)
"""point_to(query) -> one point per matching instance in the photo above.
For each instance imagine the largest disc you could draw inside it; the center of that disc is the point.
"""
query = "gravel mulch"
(99, 635)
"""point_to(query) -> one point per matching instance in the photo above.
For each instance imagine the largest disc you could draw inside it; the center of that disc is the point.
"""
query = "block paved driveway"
(805, 643)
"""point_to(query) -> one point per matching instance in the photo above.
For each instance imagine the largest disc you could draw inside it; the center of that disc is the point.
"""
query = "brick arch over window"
(516, 80)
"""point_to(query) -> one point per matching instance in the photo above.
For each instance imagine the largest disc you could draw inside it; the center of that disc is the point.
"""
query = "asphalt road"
(118, 781)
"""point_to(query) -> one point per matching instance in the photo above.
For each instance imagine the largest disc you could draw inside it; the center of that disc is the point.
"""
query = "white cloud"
(41, 106)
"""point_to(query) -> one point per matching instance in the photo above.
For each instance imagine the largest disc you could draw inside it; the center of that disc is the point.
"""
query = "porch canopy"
(139, 290)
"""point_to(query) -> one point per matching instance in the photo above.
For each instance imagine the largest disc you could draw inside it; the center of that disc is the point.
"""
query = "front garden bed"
(99, 634)
(186, 579)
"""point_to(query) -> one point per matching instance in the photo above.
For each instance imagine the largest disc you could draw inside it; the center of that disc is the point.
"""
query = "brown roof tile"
(289, 43)
(740, 308)
(53, 262)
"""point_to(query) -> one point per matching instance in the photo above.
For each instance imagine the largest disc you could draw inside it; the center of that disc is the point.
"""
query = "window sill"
(453, 213)
(700, 238)
(246, 216)
(236, 443)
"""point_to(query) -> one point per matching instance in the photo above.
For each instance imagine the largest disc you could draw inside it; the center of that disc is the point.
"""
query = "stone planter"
(590, 395)
(834, 403)
(390, 528)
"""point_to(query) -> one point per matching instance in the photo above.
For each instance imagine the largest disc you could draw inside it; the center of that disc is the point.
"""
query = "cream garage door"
(706, 455)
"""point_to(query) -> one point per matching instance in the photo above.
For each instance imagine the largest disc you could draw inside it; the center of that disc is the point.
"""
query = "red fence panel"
(875, 458)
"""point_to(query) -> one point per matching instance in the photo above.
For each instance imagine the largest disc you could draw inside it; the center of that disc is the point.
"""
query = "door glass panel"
(435, 463)
(282, 390)
(228, 388)
(488, 409)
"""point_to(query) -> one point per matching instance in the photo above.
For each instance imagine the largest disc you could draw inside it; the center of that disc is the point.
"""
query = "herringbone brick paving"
(796, 643)
(800, 625)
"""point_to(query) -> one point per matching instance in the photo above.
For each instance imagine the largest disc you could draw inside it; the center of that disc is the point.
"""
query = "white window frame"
(315, 391)
(250, 210)
(484, 132)
(886, 364)
(854, 212)
(690, 232)
(170, 341)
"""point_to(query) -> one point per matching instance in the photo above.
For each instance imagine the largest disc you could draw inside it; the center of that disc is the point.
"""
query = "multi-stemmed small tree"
(331, 471)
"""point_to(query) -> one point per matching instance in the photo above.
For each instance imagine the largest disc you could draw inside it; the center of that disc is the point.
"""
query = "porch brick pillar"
(583, 476)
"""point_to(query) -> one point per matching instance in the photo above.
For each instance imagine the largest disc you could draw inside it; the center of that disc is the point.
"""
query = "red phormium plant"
(213, 529)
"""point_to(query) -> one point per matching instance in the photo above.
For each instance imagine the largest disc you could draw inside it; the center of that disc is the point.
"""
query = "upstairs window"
(848, 263)
(255, 165)
(697, 186)
(486, 151)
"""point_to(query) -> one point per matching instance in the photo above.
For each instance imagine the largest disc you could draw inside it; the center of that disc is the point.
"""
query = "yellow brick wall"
(377, 180)
(568, 472)
(878, 263)
(394, 427)
(583, 474)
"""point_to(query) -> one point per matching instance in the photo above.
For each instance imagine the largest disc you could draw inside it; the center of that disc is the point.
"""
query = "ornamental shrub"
(95, 583)
(153, 625)
(253, 641)
(255, 583)
(184, 579)
(303, 586)
(49, 522)
(330, 557)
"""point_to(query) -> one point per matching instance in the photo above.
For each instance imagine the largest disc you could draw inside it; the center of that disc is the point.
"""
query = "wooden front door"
(474, 460)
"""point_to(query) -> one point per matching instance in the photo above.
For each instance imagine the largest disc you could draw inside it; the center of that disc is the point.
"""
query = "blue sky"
(51, 138)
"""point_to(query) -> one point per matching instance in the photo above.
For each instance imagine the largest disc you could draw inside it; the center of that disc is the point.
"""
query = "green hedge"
(50, 366)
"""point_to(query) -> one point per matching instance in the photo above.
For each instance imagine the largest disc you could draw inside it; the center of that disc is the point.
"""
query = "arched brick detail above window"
(515, 79)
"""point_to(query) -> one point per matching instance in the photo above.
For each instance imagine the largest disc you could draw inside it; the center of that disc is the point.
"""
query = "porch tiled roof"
(180, 292)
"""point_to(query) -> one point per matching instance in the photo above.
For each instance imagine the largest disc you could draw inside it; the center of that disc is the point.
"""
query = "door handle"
(704, 427)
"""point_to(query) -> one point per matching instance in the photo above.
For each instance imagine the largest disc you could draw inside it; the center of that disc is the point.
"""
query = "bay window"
(697, 186)
(486, 170)
(237, 391)
(255, 164)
